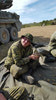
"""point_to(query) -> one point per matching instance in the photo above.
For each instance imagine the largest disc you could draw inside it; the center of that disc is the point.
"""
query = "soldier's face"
(25, 42)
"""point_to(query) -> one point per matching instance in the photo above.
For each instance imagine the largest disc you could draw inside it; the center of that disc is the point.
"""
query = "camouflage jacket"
(18, 55)
(52, 43)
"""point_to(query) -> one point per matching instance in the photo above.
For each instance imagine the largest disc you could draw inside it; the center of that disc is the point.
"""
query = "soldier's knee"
(14, 70)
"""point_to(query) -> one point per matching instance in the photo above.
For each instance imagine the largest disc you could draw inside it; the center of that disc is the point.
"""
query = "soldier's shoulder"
(15, 44)
(53, 35)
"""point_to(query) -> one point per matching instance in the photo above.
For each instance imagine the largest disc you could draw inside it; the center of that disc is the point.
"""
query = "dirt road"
(40, 33)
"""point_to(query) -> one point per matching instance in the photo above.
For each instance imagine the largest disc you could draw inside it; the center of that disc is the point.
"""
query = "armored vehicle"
(9, 23)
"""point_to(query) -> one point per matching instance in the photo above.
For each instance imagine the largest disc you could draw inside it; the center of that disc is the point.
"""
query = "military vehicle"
(9, 23)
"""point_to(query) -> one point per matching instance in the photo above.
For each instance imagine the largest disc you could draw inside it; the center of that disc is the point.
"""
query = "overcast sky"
(34, 10)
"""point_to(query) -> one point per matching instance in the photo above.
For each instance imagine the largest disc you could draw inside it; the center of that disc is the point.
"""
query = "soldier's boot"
(28, 78)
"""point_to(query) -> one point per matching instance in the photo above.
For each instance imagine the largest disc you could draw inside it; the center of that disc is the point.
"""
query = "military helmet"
(29, 36)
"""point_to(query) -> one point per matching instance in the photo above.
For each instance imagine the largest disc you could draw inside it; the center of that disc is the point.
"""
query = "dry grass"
(41, 34)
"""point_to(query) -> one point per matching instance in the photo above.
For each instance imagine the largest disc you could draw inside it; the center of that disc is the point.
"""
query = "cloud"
(27, 20)
(19, 6)
(53, 8)
(34, 10)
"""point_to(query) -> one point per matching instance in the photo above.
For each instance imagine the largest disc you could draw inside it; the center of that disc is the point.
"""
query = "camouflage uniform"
(15, 93)
(18, 61)
(52, 44)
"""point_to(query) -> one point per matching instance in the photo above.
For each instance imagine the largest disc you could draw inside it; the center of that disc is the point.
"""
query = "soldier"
(52, 44)
(50, 53)
(20, 58)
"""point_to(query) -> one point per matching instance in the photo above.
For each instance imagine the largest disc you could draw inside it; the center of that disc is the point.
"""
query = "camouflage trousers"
(15, 93)
(16, 71)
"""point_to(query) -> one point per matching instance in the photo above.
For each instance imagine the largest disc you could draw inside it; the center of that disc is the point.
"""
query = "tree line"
(43, 23)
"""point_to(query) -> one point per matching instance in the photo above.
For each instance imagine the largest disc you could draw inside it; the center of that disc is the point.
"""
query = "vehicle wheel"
(14, 33)
(4, 35)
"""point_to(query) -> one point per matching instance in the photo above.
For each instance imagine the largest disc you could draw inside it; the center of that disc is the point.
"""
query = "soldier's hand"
(34, 57)
(2, 97)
